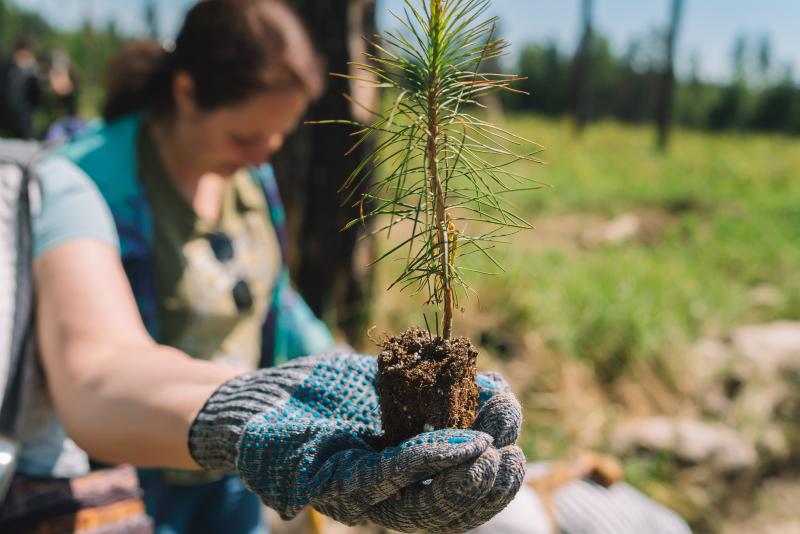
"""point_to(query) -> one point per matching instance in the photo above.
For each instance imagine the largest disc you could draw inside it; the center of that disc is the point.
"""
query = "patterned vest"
(106, 152)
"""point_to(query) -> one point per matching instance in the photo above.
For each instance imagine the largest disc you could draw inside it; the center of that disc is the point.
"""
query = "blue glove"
(308, 433)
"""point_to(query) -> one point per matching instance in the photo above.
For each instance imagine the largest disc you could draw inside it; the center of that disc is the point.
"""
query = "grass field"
(719, 227)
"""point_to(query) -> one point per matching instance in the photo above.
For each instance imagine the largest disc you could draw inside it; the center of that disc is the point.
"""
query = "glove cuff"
(217, 430)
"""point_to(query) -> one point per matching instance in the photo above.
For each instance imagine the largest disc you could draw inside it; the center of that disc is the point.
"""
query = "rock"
(773, 444)
(624, 228)
(713, 444)
(708, 357)
(773, 510)
(710, 370)
(773, 348)
(747, 381)
(621, 229)
(769, 359)
(642, 225)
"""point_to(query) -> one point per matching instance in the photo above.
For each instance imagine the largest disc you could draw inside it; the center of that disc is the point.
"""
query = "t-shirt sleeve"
(71, 208)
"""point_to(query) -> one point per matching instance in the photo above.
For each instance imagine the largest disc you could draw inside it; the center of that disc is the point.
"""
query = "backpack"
(17, 333)
(45, 505)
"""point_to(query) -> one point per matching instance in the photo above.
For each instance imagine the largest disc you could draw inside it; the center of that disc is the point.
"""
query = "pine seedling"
(441, 169)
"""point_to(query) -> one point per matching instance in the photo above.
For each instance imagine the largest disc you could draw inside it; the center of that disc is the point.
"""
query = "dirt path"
(777, 510)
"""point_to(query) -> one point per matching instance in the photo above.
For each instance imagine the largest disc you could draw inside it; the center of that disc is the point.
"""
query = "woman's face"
(227, 139)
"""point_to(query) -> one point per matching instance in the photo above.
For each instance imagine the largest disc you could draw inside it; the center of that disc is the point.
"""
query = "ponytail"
(137, 79)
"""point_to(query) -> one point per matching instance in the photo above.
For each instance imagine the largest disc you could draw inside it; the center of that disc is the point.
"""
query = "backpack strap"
(22, 324)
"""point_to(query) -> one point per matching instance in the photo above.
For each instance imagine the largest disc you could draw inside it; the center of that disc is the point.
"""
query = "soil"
(426, 383)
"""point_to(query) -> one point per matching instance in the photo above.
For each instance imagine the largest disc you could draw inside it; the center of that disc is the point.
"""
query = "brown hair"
(232, 49)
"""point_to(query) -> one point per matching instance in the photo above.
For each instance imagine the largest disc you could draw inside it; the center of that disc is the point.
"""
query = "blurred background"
(654, 312)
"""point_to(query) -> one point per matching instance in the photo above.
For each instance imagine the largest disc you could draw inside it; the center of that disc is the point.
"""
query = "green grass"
(733, 202)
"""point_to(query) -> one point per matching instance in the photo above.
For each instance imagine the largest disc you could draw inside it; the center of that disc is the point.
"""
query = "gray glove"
(308, 432)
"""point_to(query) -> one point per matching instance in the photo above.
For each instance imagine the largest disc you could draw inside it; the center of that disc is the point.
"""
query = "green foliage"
(151, 20)
(732, 227)
(89, 48)
(440, 169)
(16, 23)
(623, 87)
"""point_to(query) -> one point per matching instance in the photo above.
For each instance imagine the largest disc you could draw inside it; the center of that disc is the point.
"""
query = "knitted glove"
(308, 432)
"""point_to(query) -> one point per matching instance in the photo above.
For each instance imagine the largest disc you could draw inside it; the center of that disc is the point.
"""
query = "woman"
(192, 265)
(186, 134)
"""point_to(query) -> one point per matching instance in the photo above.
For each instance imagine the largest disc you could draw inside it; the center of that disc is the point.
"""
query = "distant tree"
(581, 73)
(151, 20)
(666, 86)
(111, 29)
(694, 98)
(694, 69)
(727, 112)
(788, 72)
(739, 57)
(547, 73)
(605, 79)
(776, 108)
(764, 58)
(632, 98)
(2, 27)
(730, 110)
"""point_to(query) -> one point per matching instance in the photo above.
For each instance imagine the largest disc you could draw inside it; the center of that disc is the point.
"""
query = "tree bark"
(330, 266)
(582, 67)
(667, 79)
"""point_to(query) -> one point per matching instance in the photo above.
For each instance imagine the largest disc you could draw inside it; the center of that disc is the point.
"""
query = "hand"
(307, 433)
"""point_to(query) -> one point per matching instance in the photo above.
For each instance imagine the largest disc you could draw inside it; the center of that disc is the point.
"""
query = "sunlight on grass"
(732, 206)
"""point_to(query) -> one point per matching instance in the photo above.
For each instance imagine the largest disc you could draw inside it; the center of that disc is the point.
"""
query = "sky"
(708, 31)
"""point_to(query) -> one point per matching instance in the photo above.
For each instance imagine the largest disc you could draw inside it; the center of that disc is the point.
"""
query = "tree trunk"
(329, 266)
(3, 35)
(582, 67)
(667, 79)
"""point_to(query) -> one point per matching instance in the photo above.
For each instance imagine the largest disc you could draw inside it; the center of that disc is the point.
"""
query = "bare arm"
(122, 397)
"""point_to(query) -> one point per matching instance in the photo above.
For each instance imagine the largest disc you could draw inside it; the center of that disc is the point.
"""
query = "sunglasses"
(222, 247)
